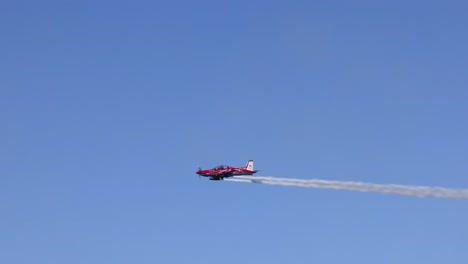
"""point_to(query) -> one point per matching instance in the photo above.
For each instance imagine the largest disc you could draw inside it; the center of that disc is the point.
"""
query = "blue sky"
(108, 108)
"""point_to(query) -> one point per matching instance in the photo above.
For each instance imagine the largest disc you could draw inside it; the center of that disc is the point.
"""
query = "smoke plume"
(420, 191)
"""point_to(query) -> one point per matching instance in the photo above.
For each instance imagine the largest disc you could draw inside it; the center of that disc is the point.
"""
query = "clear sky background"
(107, 109)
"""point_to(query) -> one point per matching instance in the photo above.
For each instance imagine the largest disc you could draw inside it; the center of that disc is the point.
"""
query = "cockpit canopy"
(222, 167)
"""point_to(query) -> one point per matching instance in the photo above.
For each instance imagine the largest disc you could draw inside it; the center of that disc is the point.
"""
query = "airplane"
(222, 171)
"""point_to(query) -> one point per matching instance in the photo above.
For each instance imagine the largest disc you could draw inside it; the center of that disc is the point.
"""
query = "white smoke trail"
(420, 191)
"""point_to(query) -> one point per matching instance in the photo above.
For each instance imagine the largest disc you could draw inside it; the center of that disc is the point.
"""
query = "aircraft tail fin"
(249, 165)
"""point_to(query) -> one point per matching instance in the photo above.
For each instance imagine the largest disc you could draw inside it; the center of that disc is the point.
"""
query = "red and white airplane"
(222, 171)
